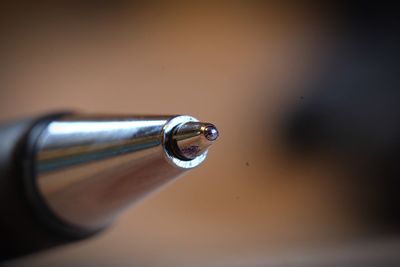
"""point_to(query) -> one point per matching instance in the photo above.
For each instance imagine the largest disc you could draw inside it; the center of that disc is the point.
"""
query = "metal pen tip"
(211, 132)
(192, 139)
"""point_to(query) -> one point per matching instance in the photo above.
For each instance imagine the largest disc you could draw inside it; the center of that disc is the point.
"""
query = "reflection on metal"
(90, 168)
(193, 138)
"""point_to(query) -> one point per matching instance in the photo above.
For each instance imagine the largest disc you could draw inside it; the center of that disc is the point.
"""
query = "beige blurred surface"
(237, 66)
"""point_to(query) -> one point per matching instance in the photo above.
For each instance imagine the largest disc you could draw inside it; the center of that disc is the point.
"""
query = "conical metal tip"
(192, 139)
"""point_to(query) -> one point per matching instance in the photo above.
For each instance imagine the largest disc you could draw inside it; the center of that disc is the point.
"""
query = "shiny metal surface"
(90, 168)
(193, 138)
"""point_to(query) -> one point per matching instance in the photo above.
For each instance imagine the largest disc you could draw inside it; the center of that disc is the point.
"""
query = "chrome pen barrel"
(90, 168)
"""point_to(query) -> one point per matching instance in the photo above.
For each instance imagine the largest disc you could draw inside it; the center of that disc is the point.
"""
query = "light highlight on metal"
(90, 168)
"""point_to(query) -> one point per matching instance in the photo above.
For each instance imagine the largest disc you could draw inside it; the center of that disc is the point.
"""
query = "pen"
(65, 177)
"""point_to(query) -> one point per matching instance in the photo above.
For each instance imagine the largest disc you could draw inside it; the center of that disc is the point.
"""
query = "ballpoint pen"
(65, 177)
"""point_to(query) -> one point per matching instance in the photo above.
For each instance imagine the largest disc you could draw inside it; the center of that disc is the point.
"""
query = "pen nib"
(192, 139)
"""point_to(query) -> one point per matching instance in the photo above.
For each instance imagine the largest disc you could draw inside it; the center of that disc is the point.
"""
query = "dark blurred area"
(350, 113)
(306, 97)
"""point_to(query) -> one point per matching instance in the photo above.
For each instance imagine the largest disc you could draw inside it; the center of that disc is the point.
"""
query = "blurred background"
(305, 97)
